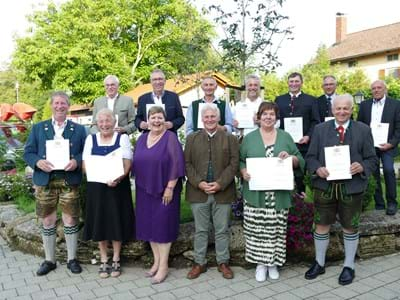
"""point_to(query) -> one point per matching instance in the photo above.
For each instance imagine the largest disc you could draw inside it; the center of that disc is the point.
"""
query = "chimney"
(341, 27)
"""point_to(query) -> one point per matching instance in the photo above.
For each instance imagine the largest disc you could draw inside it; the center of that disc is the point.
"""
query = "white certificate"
(57, 153)
(244, 115)
(380, 132)
(270, 173)
(294, 126)
(329, 118)
(148, 106)
(199, 120)
(337, 160)
(104, 168)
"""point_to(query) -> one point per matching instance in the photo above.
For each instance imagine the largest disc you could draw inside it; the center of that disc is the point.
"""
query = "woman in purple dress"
(158, 167)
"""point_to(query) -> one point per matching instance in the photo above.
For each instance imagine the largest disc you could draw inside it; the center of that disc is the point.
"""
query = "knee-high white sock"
(49, 243)
(350, 248)
(71, 238)
(321, 242)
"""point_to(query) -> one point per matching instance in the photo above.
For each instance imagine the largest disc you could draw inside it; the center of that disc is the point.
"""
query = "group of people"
(211, 159)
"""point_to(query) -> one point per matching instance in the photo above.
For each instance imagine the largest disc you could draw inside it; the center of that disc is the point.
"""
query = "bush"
(300, 223)
(14, 186)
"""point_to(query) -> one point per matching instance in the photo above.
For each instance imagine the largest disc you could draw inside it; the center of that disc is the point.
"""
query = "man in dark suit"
(169, 100)
(342, 197)
(382, 109)
(298, 104)
(325, 101)
(122, 107)
(55, 184)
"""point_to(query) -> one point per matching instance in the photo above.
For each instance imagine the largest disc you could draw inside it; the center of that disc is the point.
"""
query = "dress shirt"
(58, 129)
(377, 110)
(157, 100)
(111, 102)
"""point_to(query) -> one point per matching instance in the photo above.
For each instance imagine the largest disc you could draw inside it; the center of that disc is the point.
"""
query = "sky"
(313, 23)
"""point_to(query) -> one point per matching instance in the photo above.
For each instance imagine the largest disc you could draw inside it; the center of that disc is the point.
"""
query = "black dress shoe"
(314, 271)
(347, 276)
(391, 209)
(74, 266)
(45, 268)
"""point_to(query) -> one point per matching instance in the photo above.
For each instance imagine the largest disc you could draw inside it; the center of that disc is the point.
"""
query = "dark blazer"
(35, 149)
(359, 137)
(304, 106)
(323, 108)
(173, 109)
(225, 162)
(123, 107)
(390, 114)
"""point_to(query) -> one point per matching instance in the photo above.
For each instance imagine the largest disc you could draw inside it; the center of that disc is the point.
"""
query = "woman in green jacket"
(265, 212)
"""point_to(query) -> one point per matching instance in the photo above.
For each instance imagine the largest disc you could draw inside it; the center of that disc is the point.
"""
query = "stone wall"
(379, 235)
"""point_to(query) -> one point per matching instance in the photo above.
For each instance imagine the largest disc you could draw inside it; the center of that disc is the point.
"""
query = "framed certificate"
(104, 168)
(278, 177)
(244, 114)
(337, 161)
(380, 132)
(294, 126)
(57, 153)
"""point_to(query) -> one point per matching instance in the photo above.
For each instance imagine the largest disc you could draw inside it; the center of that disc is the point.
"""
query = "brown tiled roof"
(181, 84)
(78, 107)
(367, 42)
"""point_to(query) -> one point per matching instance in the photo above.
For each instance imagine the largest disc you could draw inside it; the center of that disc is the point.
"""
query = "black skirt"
(109, 212)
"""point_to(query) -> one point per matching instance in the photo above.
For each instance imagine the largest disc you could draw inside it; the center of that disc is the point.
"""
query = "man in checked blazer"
(382, 109)
(167, 99)
(122, 106)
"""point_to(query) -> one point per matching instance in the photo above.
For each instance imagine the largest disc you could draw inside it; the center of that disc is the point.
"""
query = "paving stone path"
(377, 278)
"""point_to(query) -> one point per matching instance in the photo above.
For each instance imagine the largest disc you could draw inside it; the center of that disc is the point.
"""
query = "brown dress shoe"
(196, 271)
(226, 271)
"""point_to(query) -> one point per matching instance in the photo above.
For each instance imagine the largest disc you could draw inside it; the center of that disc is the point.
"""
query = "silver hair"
(210, 106)
(60, 94)
(113, 78)
(347, 97)
(380, 81)
(252, 77)
(105, 112)
(329, 76)
(157, 71)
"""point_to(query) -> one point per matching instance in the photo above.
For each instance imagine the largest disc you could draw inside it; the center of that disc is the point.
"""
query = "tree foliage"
(74, 46)
(254, 30)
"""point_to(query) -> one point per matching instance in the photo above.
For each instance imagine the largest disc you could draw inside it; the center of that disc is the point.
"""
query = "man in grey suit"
(341, 197)
(122, 106)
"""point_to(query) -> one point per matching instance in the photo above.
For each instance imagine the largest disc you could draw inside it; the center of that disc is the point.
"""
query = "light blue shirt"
(228, 117)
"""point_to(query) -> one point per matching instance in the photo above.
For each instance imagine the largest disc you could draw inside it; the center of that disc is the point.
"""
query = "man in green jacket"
(212, 161)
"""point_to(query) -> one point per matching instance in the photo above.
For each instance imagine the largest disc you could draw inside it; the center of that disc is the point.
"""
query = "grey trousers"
(219, 215)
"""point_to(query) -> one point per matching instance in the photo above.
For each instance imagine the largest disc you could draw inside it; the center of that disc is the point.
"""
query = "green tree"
(393, 86)
(74, 46)
(253, 31)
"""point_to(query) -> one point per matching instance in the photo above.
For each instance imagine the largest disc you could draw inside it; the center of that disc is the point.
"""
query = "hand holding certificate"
(337, 161)
(380, 132)
(57, 153)
(294, 126)
(278, 177)
(104, 168)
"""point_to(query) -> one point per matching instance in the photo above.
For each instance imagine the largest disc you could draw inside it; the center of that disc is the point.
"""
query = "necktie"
(292, 104)
(329, 102)
(340, 129)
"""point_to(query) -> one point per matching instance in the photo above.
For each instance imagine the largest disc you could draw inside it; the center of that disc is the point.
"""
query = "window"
(395, 72)
(392, 57)
(352, 63)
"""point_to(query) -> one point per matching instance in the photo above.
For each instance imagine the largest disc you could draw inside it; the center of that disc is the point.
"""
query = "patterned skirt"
(265, 233)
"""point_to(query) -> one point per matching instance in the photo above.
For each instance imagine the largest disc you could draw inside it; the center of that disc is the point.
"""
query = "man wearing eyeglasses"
(122, 106)
(325, 101)
(168, 100)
